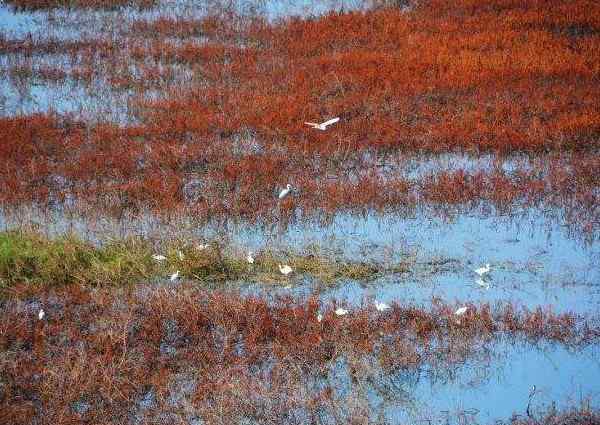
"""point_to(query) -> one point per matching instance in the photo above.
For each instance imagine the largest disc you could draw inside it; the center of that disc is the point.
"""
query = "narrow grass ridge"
(31, 258)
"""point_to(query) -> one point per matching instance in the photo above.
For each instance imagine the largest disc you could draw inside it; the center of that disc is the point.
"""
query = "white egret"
(285, 270)
(341, 311)
(319, 317)
(174, 276)
(250, 258)
(482, 283)
(323, 126)
(285, 192)
(201, 246)
(180, 255)
(41, 314)
(482, 271)
(159, 257)
(381, 306)
(461, 311)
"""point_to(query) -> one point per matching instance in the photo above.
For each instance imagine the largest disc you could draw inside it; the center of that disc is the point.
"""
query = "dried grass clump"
(80, 4)
(575, 416)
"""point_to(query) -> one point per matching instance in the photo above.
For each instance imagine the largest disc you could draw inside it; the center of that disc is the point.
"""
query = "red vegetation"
(225, 131)
(108, 350)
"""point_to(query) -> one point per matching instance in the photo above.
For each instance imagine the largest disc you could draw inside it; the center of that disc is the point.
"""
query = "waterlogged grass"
(80, 4)
(34, 259)
(101, 353)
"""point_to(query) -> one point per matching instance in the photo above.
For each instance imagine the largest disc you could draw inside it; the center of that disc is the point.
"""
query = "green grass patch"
(30, 258)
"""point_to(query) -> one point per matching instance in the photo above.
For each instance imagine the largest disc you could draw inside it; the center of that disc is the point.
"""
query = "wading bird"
(482, 283)
(482, 271)
(159, 257)
(41, 314)
(285, 191)
(381, 306)
(323, 126)
(250, 258)
(285, 270)
(180, 255)
(461, 311)
(201, 246)
(174, 276)
(341, 311)
(319, 317)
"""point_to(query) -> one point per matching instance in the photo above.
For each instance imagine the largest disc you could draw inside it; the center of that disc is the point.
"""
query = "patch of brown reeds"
(103, 355)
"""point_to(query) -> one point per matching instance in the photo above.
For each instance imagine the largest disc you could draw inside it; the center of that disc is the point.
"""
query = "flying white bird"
(341, 311)
(461, 311)
(285, 191)
(285, 270)
(250, 258)
(482, 271)
(381, 306)
(41, 314)
(319, 317)
(174, 276)
(159, 257)
(323, 126)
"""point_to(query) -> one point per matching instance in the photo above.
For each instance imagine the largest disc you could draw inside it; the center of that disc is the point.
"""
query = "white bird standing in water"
(482, 271)
(285, 270)
(250, 258)
(381, 306)
(482, 283)
(285, 192)
(41, 314)
(174, 276)
(159, 257)
(461, 311)
(341, 311)
(323, 126)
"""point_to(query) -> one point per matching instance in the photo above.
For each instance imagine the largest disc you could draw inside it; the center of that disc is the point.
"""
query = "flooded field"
(178, 246)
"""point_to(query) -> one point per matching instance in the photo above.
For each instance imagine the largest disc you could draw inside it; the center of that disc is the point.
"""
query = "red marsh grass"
(107, 349)
(226, 131)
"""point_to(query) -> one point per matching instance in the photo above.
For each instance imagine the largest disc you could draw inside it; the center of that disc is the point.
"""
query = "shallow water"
(494, 389)
(534, 259)
(82, 24)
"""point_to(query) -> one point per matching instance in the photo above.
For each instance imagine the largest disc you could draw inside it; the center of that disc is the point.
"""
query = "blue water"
(495, 389)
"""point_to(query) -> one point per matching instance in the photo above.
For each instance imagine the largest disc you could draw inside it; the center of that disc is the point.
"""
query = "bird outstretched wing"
(331, 121)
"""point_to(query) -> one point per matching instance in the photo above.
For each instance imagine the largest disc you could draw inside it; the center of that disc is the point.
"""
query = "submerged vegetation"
(99, 353)
(80, 4)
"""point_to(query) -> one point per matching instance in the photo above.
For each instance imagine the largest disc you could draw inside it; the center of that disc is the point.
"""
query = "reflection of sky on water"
(19, 24)
(488, 391)
(535, 260)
